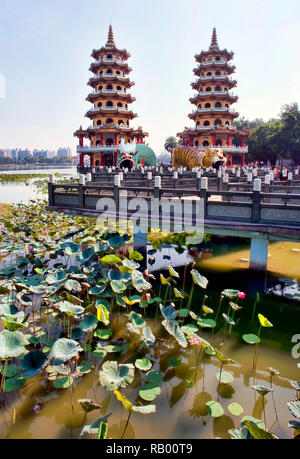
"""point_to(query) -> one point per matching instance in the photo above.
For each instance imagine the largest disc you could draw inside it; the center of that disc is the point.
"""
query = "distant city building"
(64, 152)
(4, 154)
(23, 154)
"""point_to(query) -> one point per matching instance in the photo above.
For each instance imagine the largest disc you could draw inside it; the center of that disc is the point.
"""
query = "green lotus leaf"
(230, 293)
(163, 280)
(89, 323)
(93, 429)
(15, 383)
(155, 377)
(11, 370)
(103, 333)
(110, 260)
(88, 404)
(169, 312)
(64, 349)
(134, 329)
(12, 344)
(262, 390)
(56, 278)
(178, 293)
(102, 311)
(113, 274)
(183, 312)
(13, 323)
(63, 382)
(198, 279)
(130, 264)
(137, 320)
(69, 308)
(139, 282)
(294, 424)
(207, 310)
(214, 409)
(264, 322)
(250, 338)
(149, 392)
(112, 376)
(97, 290)
(206, 323)
(116, 241)
(234, 306)
(172, 272)
(223, 359)
(148, 337)
(143, 364)
(8, 309)
(73, 286)
(85, 366)
(144, 409)
(258, 433)
(72, 250)
(173, 362)
(174, 330)
(295, 384)
(33, 363)
(294, 407)
(235, 408)
(101, 353)
(118, 286)
(86, 255)
(225, 377)
(256, 421)
(189, 329)
(239, 434)
(134, 255)
(228, 319)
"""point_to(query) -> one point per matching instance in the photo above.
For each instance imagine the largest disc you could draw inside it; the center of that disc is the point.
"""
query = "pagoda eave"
(223, 52)
(124, 67)
(127, 114)
(125, 82)
(229, 69)
(110, 96)
(108, 50)
(226, 97)
(213, 114)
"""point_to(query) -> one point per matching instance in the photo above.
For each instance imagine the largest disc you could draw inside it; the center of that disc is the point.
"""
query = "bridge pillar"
(258, 254)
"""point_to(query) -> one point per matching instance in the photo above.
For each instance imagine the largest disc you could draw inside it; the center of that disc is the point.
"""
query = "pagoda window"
(208, 89)
(127, 123)
(109, 71)
(101, 72)
(205, 143)
(126, 106)
(207, 105)
(218, 88)
(119, 104)
(206, 123)
(98, 143)
(119, 88)
(218, 104)
(199, 106)
(109, 103)
(196, 143)
(218, 72)
(99, 104)
(219, 143)
(118, 72)
(198, 124)
(109, 121)
(100, 88)
(208, 74)
(99, 122)
(226, 89)
(109, 142)
(109, 56)
(217, 58)
(227, 123)
(218, 122)
(109, 86)
(120, 123)
(226, 105)
(225, 74)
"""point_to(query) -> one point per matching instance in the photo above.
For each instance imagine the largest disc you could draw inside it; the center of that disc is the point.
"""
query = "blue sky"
(45, 48)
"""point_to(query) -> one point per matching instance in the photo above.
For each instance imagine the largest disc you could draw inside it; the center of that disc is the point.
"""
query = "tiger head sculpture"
(217, 156)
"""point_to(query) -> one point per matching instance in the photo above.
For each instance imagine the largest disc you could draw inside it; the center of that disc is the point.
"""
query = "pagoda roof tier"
(93, 112)
(97, 53)
(214, 112)
(228, 55)
(110, 78)
(215, 65)
(213, 79)
(110, 128)
(207, 129)
(106, 63)
(214, 95)
(113, 94)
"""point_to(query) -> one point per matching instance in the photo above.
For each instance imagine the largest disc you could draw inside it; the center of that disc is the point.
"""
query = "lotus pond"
(93, 346)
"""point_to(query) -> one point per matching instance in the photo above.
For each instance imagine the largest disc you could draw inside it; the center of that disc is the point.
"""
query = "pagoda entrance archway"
(108, 160)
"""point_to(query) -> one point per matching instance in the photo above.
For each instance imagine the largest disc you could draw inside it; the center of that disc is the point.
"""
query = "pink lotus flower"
(30, 249)
(44, 232)
(195, 340)
(1, 207)
(242, 295)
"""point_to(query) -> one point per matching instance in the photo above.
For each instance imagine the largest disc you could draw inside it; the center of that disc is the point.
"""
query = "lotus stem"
(3, 376)
(219, 307)
(220, 375)
(127, 422)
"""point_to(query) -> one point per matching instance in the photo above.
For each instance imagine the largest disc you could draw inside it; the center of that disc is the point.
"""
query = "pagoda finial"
(214, 41)
(110, 39)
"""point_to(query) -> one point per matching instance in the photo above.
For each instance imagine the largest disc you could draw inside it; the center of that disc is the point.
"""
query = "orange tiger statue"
(191, 157)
